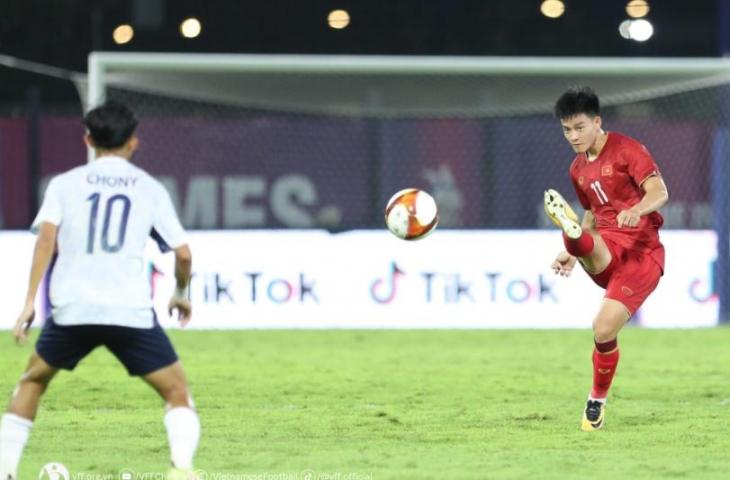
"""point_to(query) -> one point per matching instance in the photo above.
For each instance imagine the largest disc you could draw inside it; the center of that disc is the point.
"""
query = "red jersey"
(611, 183)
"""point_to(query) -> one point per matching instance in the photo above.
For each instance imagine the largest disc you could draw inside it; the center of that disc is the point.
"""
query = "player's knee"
(177, 395)
(604, 333)
(36, 376)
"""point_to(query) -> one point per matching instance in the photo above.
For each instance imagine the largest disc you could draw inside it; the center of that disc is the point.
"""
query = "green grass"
(400, 405)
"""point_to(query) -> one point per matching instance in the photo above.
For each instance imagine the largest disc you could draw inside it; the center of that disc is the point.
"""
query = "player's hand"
(183, 307)
(25, 320)
(563, 264)
(628, 218)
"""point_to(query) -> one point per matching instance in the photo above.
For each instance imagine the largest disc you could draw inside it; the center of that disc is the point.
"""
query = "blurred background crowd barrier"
(292, 142)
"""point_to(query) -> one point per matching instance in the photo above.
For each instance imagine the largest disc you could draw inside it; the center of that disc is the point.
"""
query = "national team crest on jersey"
(581, 179)
(606, 170)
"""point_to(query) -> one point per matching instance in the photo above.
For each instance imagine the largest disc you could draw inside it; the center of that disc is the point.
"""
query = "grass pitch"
(372, 405)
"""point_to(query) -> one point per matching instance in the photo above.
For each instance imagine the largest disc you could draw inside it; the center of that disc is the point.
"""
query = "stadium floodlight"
(123, 34)
(338, 19)
(552, 8)
(641, 30)
(190, 28)
(637, 8)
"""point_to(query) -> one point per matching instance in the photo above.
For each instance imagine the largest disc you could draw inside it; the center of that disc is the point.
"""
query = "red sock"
(579, 247)
(605, 360)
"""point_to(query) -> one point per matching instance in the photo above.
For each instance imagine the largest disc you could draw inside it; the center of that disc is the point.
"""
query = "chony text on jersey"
(109, 181)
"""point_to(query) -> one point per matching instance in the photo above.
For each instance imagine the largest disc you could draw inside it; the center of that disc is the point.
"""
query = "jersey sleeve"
(641, 164)
(167, 230)
(51, 210)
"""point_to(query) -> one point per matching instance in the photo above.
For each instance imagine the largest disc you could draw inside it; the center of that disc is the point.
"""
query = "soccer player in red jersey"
(617, 242)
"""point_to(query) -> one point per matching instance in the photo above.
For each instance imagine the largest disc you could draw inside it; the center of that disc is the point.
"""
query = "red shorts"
(630, 277)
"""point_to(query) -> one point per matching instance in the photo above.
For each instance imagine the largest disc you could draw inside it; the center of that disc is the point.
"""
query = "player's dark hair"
(577, 100)
(110, 125)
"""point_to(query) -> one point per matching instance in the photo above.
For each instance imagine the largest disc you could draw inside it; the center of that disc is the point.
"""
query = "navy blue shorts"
(141, 350)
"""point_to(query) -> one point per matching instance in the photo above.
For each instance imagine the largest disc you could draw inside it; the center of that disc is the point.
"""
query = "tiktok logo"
(383, 290)
(710, 292)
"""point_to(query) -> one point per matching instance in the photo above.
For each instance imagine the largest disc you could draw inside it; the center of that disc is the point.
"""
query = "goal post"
(390, 77)
(321, 141)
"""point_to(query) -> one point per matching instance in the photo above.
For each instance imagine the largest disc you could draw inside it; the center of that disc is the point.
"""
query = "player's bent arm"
(179, 300)
(183, 270)
(655, 195)
(45, 246)
(589, 221)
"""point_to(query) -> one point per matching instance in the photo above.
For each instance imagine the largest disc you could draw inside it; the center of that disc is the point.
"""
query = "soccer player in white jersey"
(92, 228)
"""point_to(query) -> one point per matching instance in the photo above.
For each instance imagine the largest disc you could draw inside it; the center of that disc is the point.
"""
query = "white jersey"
(106, 211)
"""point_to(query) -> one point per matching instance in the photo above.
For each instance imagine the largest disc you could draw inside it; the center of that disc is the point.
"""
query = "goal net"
(246, 141)
(290, 141)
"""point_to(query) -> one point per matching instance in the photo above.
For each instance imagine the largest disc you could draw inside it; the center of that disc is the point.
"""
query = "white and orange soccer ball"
(411, 214)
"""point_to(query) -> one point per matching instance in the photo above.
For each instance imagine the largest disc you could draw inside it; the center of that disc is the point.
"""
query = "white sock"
(183, 433)
(14, 433)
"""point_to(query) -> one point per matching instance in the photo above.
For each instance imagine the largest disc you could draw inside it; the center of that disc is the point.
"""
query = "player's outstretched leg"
(609, 321)
(17, 422)
(181, 420)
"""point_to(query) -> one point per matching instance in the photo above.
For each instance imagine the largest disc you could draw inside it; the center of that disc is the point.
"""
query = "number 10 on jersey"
(108, 245)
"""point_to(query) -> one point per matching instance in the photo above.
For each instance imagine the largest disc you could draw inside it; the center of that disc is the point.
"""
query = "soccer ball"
(411, 214)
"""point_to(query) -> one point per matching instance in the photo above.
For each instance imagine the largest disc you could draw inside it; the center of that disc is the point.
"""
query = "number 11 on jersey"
(598, 190)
